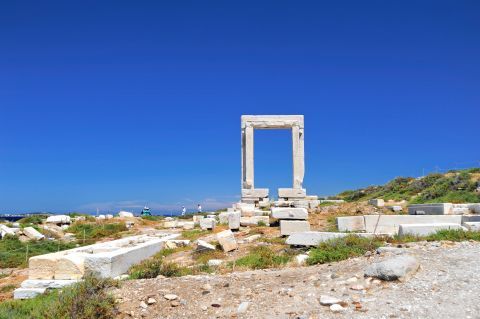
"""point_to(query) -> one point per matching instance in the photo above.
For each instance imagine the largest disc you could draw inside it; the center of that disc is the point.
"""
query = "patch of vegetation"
(262, 257)
(153, 267)
(261, 223)
(273, 240)
(32, 220)
(3, 276)
(7, 288)
(342, 248)
(455, 187)
(88, 217)
(204, 256)
(84, 300)
(13, 252)
(324, 204)
(94, 231)
(194, 234)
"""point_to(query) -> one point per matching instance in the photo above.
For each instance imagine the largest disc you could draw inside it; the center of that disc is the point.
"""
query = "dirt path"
(445, 287)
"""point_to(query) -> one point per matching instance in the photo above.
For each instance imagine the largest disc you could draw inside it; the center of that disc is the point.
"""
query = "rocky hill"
(458, 186)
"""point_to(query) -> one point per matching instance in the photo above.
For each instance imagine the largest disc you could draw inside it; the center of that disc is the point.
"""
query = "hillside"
(459, 186)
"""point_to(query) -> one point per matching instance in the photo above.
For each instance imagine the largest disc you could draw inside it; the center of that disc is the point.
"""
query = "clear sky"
(117, 104)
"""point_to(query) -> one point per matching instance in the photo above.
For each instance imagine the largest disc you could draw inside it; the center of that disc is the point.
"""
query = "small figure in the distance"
(199, 208)
(184, 210)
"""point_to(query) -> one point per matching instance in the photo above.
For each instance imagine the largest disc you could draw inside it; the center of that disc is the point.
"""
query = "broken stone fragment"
(396, 268)
(337, 308)
(243, 307)
(226, 239)
(214, 262)
(203, 245)
(32, 233)
(328, 300)
(170, 296)
(207, 223)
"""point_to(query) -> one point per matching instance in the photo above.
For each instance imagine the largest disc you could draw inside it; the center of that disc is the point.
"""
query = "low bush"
(153, 218)
(153, 267)
(84, 300)
(204, 256)
(342, 248)
(194, 234)
(32, 220)
(262, 257)
(93, 231)
(7, 288)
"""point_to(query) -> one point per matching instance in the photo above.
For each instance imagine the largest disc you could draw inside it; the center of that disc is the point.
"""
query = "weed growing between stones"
(342, 248)
(445, 234)
(93, 231)
(262, 257)
(194, 234)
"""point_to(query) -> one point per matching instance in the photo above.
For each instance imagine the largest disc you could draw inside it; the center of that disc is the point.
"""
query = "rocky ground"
(446, 286)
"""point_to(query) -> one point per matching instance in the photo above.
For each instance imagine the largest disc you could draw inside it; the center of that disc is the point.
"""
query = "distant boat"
(146, 212)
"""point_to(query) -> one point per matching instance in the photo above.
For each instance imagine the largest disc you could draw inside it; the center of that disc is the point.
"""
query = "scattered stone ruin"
(106, 260)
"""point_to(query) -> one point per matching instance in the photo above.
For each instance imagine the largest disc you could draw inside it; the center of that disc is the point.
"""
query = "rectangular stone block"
(471, 218)
(391, 223)
(197, 218)
(207, 223)
(351, 223)
(32, 233)
(430, 209)
(425, 229)
(43, 266)
(111, 264)
(188, 225)
(223, 217)
(313, 238)
(288, 227)
(255, 192)
(170, 224)
(473, 226)
(226, 239)
(254, 220)
(108, 259)
(234, 220)
(292, 193)
(289, 213)
(27, 293)
(378, 202)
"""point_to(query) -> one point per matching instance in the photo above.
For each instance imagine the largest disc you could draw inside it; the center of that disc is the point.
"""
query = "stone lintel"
(272, 121)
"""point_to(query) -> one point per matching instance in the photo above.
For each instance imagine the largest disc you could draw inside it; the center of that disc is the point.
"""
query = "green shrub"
(7, 288)
(153, 218)
(84, 300)
(194, 234)
(454, 235)
(32, 220)
(262, 257)
(342, 248)
(13, 252)
(204, 256)
(93, 231)
(153, 267)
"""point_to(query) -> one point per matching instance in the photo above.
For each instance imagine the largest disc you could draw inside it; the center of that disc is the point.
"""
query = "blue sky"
(117, 104)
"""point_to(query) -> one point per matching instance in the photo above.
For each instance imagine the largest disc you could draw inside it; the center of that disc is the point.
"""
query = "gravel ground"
(446, 286)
